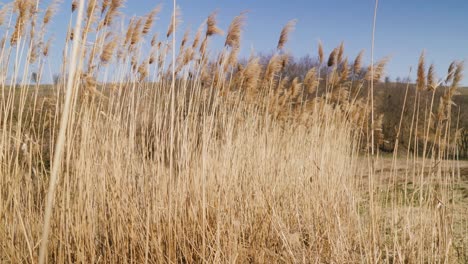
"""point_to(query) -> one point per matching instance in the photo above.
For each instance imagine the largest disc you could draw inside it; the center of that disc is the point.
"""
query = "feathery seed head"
(332, 58)
(310, 81)
(136, 36)
(450, 71)
(45, 50)
(175, 21)
(112, 12)
(185, 38)
(421, 78)
(458, 75)
(431, 83)
(234, 31)
(285, 33)
(198, 35)
(358, 63)
(74, 5)
(320, 53)
(344, 75)
(339, 56)
(51, 9)
(150, 19)
(211, 28)
(108, 51)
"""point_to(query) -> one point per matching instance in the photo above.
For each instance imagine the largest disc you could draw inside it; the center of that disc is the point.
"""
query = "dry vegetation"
(148, 152)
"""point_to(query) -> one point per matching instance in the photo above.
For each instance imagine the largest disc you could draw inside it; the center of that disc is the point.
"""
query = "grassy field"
(152, 150)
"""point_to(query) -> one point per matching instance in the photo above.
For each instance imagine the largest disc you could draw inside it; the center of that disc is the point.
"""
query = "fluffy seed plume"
(295, 88)
(320, 52)
(185, 38)
(310, 81)
(196, 39)
(421, 79)
(285, 33)
(450, 71)
(175, 21)
(332, 58)
(51, 9)
(232, 60)
(344, 71)
(274, 66)
(339, 56)
(458, 75)
(130, 29)
(379, 70)
(113, 11)
(154, 40)
(431, 83)
(211, 28)
(105, 4)
(74, 5)
(23, 8)
(45, 50)
(108, 51)
(251, 74)
(143, 71)
(358, 63)
(150, 20)
(136, 36)
(234, 31)
(203, 46)
(90, 11)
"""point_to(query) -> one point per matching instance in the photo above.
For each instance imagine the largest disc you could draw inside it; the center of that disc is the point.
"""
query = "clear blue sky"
(404, 27)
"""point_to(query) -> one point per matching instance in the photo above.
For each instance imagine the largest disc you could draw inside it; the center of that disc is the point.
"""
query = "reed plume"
(74, 5)
(114, 6)
(175, 21)
(251, 75)
(45, 50)
(357, 66)
(108, 51)
(458, 75)
(332, 58)
(295, 88)
(379, 70)
(344, 74)
(421, 78)
(234, 31)
(339, 56)
(232, 60)
(105, 4)
(143, 71)
(23, 8)
(91, 13)
(311, 81)
(431, 82)
(130, 29)
(51, 10)
(154, 40)
(211, 27)
(321, 55)
(450, 71)
(198, 34)
(285, 34)
(136, 34)
(184, 38)
(150, 20)
(274, 66)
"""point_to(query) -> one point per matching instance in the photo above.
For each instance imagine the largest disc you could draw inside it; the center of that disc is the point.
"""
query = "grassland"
(152, 150)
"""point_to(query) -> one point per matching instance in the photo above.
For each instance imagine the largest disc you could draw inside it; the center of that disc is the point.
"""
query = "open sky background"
(404, 27)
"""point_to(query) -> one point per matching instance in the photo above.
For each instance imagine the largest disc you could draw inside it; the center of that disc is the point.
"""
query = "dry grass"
(193, 157)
